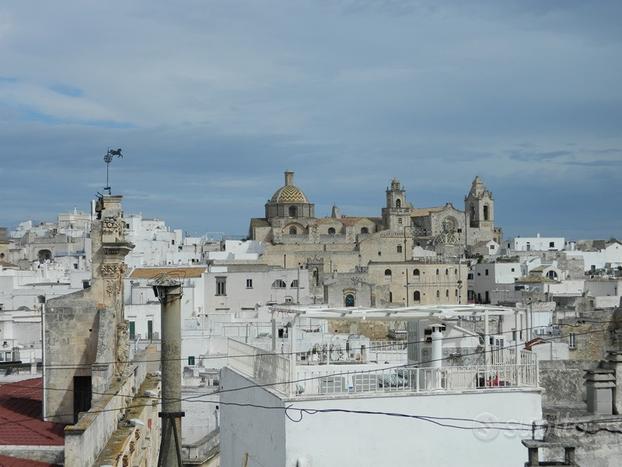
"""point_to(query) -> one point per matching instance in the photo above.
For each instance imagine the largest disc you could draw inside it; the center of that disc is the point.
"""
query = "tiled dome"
(289, 194)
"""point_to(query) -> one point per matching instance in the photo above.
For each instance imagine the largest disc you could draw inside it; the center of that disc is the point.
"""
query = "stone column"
(600, 387)
(614, 362)
(169, 293)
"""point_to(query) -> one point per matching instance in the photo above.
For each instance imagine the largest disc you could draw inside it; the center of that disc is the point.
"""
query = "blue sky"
(212, 99)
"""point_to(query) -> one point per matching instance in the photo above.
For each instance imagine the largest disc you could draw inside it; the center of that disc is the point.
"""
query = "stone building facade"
(86, 339)
(290, 227)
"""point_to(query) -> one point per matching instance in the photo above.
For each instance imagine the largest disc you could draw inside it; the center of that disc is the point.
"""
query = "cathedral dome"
(289, 193)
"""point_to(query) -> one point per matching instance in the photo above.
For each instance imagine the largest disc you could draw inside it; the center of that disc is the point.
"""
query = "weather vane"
(108, 159)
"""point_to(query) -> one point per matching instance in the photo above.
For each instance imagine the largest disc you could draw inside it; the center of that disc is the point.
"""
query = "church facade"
(290, 220)
(406, 255)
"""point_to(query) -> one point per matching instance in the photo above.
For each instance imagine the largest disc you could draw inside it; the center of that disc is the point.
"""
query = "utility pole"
(169, 292)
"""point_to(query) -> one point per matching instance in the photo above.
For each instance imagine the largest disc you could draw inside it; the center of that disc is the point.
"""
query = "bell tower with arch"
(396, 213)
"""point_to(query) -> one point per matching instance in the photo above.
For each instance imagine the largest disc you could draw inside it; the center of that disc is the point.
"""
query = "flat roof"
(395, 313)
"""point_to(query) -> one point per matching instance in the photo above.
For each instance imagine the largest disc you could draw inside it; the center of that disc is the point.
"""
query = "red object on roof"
(20, 417)
(6, 461)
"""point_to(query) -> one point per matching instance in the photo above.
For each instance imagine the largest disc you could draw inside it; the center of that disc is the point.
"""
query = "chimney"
(289, 177)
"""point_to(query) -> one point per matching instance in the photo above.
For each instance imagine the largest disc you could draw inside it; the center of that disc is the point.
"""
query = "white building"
(608, 257)
(334, 415)
(219, 301)
(489, 282)
(536, 243)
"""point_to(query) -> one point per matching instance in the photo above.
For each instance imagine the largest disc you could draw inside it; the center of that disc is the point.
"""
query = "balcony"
(276, 371)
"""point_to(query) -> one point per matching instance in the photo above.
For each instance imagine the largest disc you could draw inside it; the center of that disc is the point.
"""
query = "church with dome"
(406, 255)
(290, 220)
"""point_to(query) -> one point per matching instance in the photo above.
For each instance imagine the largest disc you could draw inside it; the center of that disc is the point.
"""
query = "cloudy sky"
(211, 100)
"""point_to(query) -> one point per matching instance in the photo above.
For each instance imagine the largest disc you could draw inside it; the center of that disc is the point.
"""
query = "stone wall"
(563, 383)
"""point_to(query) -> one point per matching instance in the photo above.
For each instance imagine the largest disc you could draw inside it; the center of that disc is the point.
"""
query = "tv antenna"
(108, 159)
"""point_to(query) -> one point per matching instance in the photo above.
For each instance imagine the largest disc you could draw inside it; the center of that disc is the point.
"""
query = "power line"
(418, 364)
(71, 366)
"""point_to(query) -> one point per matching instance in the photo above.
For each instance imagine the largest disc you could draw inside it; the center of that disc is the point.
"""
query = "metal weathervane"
(108, 159)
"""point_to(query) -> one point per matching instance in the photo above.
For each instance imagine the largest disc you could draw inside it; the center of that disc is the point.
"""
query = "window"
(551, 244)
(486, 271)
(380, 253)
(387, 273)
(512, 269)
(331, 231)
(572, 341)
(172, 242)
(438, 294)
(316, 277)
(447, 293)
(455, 292)
(364, 230)
(417, 296)
(390, 297)
(487, 297)
(249, 283)
(293, 231)
(486, 213)
(399, 248)
(293, 211)
(437, 272)
(398, 204)
(491, 247)
(289, 299)
(446, 272)
(399, 220)
(150, 329)
(349, 300)
(279, 284)
(416, 272)
(191, 360)
(294, 284)
(221, 286)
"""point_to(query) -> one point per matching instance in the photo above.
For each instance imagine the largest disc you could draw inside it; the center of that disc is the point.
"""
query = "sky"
(211, 100)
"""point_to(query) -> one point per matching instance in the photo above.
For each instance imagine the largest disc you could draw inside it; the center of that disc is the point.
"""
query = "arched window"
(364, 230)
(293, 211)
(438, 294)
(294, 284)
(399, 248)
(390, 297)
(279, 284)
(331, 231)
(446, 272)
(316, 278)
(349, 300)
(387, 273)
(447, 293)
(486, 213)
(437, 272)
(552, 275)
(416, 272)
(398, 203)
(417, 296)
(293, 231)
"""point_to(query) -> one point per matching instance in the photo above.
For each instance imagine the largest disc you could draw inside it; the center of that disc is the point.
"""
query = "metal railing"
(271, 369)
(418, 380)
